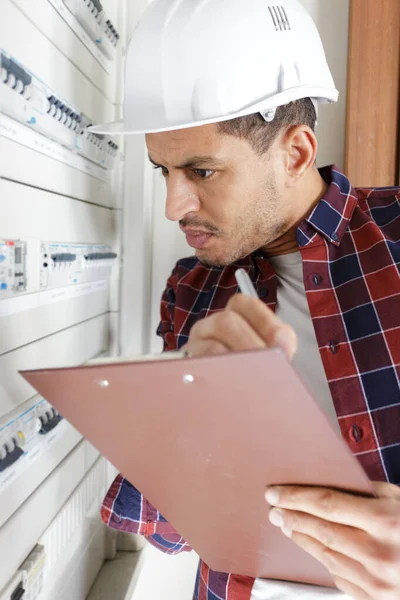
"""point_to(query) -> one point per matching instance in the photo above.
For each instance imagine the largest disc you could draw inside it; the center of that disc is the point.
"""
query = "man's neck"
(315, 189)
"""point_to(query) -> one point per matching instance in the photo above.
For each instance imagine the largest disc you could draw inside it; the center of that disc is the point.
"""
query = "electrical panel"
(29, 101)
(21, 437)
(67, 264)
(12, 268)
(28, 522)
(90, 14)
(55, 267)
(61, 200)
(96, 30)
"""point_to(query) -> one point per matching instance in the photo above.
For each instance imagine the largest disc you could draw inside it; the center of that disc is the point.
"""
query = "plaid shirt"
(350, 247)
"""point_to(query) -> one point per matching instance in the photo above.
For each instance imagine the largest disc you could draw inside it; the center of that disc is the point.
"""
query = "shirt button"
(333, 347)
(262, 293)
(316, 279)
(356, 433)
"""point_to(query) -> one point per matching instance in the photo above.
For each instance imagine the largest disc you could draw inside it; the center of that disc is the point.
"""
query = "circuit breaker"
(12, 268)
(91, 15)
(22, 432)
(29, 101)
(67, 264)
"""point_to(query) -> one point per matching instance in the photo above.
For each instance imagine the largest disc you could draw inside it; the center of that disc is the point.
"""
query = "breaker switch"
(49, 421)
(63, 257)
(10, 458)
(98, 5)
(101, 256)
(18, 593)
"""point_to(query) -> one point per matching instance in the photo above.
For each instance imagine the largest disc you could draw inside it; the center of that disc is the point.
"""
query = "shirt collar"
(331, 216)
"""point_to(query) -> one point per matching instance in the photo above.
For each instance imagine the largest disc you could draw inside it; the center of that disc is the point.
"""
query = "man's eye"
(163, 170)
(203, 173)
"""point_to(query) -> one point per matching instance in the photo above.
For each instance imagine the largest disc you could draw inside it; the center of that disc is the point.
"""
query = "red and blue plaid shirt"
(350, 247)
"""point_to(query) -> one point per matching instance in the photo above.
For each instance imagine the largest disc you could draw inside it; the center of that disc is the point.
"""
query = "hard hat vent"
(279, 18)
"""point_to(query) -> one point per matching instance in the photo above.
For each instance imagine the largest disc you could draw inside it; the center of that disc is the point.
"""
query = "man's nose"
(182, 198)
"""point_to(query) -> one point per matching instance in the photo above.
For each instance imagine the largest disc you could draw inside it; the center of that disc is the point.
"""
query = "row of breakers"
(67, 264)
(26, 99)
(23, 430)
(90, 14)
(59, 264)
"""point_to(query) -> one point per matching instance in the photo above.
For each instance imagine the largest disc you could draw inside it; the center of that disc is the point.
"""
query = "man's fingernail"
(276, 517)
(286, 339)
(286, 531)
(272, 496)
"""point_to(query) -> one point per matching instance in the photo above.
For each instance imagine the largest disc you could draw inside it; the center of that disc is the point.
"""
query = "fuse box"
(12, 268)
(29, 101)
(67, 264)
(22, 432)
(91, 15)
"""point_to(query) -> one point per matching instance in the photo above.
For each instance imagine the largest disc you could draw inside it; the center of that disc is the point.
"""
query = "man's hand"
(357, 539)
(245, 324)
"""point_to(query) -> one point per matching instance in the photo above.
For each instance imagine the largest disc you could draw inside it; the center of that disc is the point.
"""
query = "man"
(230, 116)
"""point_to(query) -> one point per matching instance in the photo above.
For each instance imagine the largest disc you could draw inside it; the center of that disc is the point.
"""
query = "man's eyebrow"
(193, 162)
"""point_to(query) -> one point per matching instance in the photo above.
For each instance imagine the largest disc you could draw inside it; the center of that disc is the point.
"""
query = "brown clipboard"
(202, 438)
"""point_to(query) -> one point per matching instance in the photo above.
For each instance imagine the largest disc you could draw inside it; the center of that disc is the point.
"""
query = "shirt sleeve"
(125, 509)
(166, 327)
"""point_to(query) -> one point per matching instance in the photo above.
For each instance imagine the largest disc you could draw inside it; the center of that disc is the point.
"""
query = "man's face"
(227, 199)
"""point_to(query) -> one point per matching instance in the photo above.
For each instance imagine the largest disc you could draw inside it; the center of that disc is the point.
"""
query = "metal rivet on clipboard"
(103, 383)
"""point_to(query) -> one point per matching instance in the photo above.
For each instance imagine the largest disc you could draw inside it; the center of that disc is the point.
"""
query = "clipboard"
(202, 438)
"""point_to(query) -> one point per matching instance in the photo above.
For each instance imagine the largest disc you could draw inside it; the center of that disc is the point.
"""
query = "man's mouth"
(197, 238)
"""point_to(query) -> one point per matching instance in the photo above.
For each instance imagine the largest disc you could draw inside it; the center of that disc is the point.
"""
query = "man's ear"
(300, 146)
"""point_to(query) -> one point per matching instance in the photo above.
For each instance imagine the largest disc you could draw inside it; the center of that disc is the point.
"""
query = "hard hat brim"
(323, 95)
(113, 128)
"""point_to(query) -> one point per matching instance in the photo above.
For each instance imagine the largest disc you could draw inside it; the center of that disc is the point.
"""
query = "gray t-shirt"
(292, 308)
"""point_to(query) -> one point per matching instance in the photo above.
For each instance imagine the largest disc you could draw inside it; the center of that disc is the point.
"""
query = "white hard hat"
(193, 62)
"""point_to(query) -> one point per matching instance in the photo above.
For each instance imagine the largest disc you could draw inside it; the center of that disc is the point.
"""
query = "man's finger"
(379, 517)
(229, 329)
(204, 348)
(350, 589)
(387, 490)
(382, 561)
(345, 568)
(263, 320)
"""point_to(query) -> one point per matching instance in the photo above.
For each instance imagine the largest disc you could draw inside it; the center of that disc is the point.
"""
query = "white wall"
(332, 18)
(169, 244)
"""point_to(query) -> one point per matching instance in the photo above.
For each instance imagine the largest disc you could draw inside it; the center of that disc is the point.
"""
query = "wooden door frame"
(373, 88)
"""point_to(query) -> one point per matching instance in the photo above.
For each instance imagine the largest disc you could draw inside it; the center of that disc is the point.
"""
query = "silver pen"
(245, 284)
